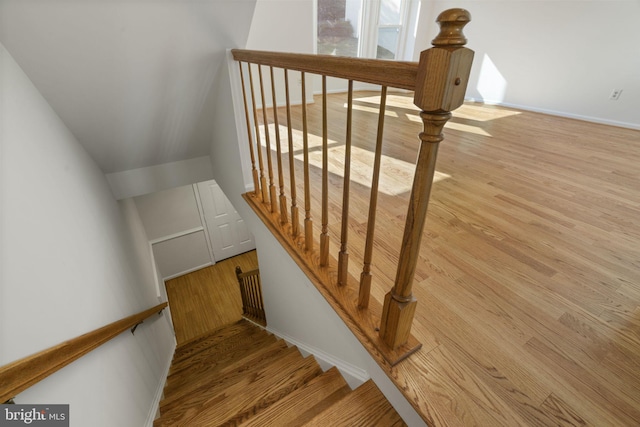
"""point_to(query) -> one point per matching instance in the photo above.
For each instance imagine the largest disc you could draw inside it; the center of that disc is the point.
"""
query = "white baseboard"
(353, 375)
(155, 405)
(560, 114)
(191, 270)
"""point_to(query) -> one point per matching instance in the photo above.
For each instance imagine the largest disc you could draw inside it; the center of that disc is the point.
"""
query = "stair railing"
(251, 293)
(439, 81)
(22, 374)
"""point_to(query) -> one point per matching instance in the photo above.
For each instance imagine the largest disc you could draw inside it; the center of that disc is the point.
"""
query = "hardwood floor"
(528, 284)
(207, 299)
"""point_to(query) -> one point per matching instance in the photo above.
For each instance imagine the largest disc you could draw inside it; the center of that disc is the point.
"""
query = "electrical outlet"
(615, 94)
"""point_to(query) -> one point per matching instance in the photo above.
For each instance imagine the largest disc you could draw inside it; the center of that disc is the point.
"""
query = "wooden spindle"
(443, 74)
(283, 198)
(260, 299)
(272, 187)
(308, 222)
(365, 276)
(243, 292)
(254, 171)
(295, 227)
(324, 234)
(263, 180)
(343, 255)
(254, 296)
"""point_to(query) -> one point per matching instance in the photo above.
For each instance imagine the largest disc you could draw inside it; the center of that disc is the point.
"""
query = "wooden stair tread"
(251, 393)
(219, 350)
(204, 386)
(223, 372)
(221, 337)
(304, 403)
(200, 396)
(243, 375)
(365, 406)
(208, 360)
(232, 328)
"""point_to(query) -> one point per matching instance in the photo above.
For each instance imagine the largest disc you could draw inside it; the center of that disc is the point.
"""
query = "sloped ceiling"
(132, 79)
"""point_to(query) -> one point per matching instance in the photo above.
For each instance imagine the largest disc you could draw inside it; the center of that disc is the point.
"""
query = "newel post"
(443, 74)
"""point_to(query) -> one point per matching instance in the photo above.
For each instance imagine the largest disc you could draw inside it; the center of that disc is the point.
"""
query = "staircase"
(242, 375)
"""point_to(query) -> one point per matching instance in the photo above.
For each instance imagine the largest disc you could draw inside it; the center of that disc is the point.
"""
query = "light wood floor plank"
(207, 299)
(528, 283)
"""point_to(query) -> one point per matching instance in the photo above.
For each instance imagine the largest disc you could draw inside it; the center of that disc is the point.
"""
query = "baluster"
(263, 179)
(324, 235)
(252, 295)
(261, 311)
(295, 228)
(283, 198)
(243, 292)
(443, 74)
(343, 255)
(272, 187)
(308, 222)
(365, 277)
(254, 171)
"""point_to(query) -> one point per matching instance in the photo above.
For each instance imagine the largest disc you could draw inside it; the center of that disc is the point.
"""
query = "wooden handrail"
(439, 82)
(398, 74)
(22, 374)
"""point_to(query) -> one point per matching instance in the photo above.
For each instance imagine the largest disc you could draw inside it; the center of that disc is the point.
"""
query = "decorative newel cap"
(451, 22)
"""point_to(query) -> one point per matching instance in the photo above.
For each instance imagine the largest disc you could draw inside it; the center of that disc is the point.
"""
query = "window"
(339, 27)
(364, 28)
(390, 19)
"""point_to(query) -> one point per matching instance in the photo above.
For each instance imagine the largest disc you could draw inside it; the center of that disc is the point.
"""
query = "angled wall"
(72, 260)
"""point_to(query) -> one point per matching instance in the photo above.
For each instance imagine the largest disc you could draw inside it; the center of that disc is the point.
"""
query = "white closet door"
(228, 232)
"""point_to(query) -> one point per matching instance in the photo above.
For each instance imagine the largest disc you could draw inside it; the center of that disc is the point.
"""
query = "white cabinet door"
(228, 232)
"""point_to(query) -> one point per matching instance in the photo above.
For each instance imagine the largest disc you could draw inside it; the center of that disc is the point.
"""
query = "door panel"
(227, 231)
(243, 233)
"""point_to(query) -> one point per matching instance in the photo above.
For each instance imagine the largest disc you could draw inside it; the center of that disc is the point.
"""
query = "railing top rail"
(22, 374)
(397, 74)
(249, 273)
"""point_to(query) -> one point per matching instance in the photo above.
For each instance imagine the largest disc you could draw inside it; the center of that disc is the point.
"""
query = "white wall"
(230, 170)
(169, 212)
(69, 264)
(283, 26)
(175, 230)
(137, 182)
(558, 57)
(561, 57)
